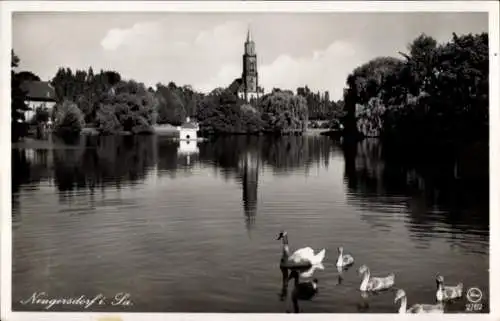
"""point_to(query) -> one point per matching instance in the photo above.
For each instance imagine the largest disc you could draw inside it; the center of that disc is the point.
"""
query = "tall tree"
(27, 76)
(438, 92)
(18, 105)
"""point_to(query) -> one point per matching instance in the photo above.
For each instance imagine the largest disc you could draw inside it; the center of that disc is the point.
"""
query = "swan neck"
(366, 277)
(402, 308)
(286, 249)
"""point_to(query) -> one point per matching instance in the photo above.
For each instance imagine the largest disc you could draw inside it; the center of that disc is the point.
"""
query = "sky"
(205, 50)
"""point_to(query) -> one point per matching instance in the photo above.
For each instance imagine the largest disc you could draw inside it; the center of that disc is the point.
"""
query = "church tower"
(250, 76)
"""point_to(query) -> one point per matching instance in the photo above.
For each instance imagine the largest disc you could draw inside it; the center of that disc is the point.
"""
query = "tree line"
(112, 105)
(433, 92)
(320, 107)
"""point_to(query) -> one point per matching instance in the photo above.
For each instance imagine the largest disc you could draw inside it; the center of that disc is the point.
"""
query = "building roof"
(39, 90)
(189, 126)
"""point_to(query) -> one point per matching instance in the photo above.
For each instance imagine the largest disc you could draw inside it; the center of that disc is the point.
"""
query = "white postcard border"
(7, 7)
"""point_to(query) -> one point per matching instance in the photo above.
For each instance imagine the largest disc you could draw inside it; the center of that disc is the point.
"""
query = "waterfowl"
(416, 308)
(301, 257)
(302, 290)
(344, 260)
(447, 292)
(308, 272)
(374, 283)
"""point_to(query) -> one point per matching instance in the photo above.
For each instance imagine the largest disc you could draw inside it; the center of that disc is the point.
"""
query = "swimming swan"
(447, 292)
(374, 283)
(307, 273)
(302, 290)
(300, 258)
(344, 260)
(417, 308)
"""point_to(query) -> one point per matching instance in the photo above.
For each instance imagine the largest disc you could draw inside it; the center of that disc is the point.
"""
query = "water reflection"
(375, 177)
(143, 193)
(242, 158)
(304, 290)
(249, 173)
(430, 192)
(186, 150)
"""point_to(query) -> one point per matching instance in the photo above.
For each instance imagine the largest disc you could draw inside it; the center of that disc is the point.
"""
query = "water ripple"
(199, 234)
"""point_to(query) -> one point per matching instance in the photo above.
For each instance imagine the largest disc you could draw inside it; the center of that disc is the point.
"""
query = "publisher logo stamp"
(474, 296)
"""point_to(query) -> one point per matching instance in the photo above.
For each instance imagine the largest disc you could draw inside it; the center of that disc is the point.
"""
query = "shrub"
(131, 108)
(41, 115)
(106, 121)
(69, 119)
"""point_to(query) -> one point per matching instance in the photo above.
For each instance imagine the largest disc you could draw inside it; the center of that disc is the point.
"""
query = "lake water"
(193, 228)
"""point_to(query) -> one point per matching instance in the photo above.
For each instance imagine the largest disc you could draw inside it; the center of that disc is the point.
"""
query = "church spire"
(249, 36)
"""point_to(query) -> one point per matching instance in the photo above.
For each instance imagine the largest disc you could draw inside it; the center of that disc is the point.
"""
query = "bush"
(284, 112)
(325, 125)
(131, 109)
(222, 112)
(41, 115)
(251, 119)
(69, 119)
(106, 121)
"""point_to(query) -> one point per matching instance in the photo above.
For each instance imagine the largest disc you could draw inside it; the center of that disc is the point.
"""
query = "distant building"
(187, 146)
(188, 130)
(38, 94)
(249, 83)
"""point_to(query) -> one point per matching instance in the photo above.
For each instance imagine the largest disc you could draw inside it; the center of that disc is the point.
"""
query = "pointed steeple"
(249, 36)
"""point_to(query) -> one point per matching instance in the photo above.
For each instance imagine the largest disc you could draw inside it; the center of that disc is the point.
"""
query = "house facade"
(39, 94)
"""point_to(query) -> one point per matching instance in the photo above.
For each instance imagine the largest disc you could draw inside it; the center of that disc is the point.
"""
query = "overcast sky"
(204, 49)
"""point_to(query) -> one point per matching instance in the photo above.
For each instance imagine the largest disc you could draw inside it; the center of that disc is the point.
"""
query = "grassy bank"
(31, 143)
(166, 130)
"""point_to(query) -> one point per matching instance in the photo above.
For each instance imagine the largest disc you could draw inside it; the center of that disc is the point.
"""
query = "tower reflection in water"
(249, 174)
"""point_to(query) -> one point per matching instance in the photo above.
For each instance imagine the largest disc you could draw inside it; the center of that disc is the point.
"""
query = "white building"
(188, 130)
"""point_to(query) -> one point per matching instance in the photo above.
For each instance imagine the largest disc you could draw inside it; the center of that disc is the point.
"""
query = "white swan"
(417, 308)
(374, 283)
(344, 260)
(301, 257)
(447, 292)
(310, 271)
